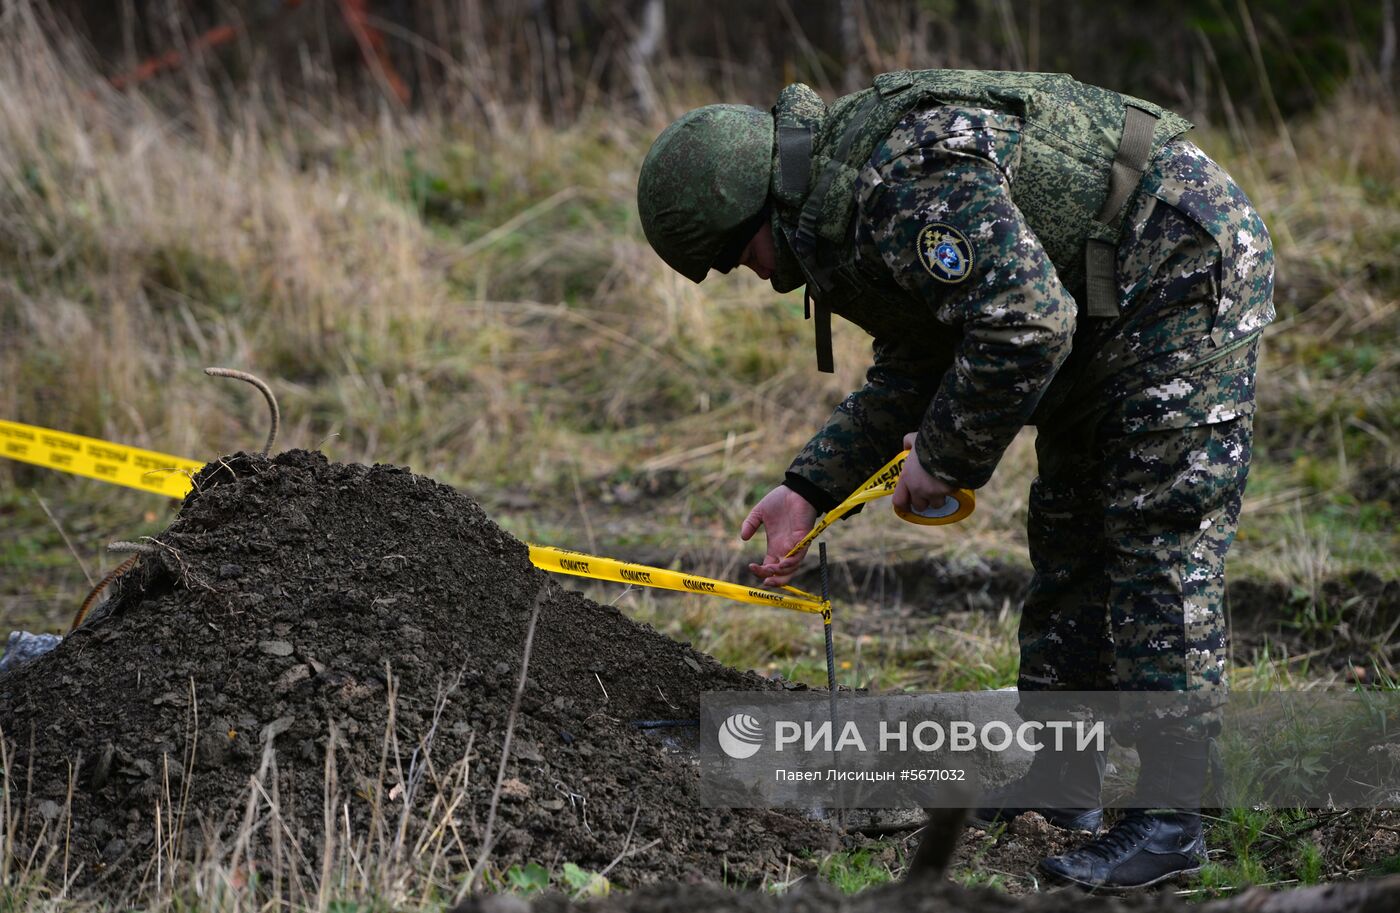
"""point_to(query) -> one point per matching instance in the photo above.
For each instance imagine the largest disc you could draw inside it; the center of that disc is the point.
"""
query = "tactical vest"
(1082, 151)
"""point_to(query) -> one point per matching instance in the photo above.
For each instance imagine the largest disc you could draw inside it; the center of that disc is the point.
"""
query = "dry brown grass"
(499, 345)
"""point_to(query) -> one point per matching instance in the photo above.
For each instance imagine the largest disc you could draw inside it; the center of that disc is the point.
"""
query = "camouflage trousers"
(1143, 462)
(1136, 506)
(1128, 537)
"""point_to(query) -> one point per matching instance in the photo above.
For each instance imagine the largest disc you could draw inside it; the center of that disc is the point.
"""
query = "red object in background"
(172, 59)
(356, 13)
(357, 19)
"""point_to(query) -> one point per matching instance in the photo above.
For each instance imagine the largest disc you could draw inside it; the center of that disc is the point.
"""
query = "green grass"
(856, 870)
(48, 582)
(972, 872)
(1242, 833)
(570, 878)
(1388, 866)
(976, 878)
(1288, 848)
(1250, 840)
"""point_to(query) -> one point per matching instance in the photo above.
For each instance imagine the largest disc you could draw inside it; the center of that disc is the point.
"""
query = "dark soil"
(1350, 621)
(294, 596)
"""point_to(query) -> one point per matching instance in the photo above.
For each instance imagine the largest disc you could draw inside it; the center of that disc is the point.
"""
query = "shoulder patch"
(945, 252)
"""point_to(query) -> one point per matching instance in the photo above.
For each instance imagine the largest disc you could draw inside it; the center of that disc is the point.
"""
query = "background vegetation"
(455, 279)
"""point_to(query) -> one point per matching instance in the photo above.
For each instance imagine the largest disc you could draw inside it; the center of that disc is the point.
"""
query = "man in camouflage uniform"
(955, 216)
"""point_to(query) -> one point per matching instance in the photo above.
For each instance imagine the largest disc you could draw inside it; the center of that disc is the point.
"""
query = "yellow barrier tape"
(163, 474)
(159, 473)
(882, 484)
(565, 561)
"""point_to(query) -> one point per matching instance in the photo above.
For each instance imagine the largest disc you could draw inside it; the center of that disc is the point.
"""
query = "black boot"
(1143, 849)
(1148, 847)
(1070, 779)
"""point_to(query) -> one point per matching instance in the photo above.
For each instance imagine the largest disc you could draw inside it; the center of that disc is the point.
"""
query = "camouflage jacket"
(975, 332)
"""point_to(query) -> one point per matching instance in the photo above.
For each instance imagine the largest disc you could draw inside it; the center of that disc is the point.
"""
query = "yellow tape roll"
(133, 467)
(957, 506)
(882, 484)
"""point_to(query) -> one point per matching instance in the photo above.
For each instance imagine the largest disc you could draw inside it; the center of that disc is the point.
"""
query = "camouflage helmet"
(705, 178)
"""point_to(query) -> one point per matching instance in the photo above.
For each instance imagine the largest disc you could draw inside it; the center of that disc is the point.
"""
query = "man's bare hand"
(917, 490)
(787, 517)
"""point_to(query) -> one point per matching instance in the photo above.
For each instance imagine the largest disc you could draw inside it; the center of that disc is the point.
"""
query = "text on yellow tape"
(159, 473)
(564, 561)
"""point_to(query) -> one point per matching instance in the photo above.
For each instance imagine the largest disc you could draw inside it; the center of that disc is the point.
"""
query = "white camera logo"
(741, 736)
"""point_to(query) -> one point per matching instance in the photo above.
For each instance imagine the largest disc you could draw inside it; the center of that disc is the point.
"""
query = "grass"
(533, 878)
(1282, 848)
(856, 870)
(479, 303)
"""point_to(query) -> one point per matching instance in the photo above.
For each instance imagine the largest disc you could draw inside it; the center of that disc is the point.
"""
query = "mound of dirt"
(294, 598)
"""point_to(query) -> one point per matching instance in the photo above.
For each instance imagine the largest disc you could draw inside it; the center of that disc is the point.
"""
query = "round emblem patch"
(945, 252)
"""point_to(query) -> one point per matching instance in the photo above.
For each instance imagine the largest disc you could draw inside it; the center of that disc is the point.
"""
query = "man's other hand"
(917, 490)
(787, 517)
